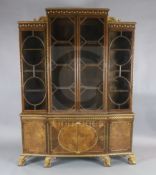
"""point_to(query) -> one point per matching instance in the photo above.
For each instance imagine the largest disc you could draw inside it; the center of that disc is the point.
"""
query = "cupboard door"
(63, 62)
(91, 63)
(34, 136)
(120, 66)
(120, 136)
(33, 67)
(71, 136)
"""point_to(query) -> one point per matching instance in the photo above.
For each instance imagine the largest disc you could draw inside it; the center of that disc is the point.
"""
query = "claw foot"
(106, 161)
(22, 160)
(48, 162)
(131, 159)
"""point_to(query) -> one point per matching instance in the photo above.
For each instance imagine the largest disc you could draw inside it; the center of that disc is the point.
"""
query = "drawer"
(71, 136)
(120, 135)
(34, 135)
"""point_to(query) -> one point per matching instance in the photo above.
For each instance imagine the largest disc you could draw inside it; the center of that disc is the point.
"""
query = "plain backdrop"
(144, 92)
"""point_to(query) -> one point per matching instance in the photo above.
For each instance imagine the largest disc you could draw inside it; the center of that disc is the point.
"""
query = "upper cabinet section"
(33, 66)
(76, 61)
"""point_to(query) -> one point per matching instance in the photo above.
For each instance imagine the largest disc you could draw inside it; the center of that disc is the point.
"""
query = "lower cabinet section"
(77, 136)
(70, 136)
(34, 136)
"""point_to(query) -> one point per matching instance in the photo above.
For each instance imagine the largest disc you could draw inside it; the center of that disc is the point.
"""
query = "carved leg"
(22, 160)
(131, 159)
(106, 161)
(48, 161)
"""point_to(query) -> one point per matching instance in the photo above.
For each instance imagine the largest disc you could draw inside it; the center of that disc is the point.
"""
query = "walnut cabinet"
(76, 84)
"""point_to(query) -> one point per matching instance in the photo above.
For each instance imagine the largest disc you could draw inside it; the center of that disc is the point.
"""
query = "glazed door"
(120, 70)
(33, 68)
(91, 63)
(63, 63)
(77, 63)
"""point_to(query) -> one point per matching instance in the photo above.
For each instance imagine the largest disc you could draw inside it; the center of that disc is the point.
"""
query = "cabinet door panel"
(34, 136)
(120, 136)
(77, 136)
(63, 62)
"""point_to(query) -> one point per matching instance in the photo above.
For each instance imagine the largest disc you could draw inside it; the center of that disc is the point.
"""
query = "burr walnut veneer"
(76, 74)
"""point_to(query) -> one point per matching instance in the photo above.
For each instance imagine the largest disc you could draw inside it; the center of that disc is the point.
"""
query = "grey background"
(144, 104)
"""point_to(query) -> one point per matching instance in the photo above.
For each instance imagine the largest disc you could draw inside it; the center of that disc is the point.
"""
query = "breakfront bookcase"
(76, 83)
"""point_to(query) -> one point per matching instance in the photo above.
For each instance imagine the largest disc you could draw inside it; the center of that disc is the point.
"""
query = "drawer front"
(71, 136)
(34, 136)
(120, 135)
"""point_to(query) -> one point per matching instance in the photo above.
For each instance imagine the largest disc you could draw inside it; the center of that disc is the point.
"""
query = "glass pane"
(118, 97)
(91, 63)
(63, 60)
(63, 99)
(65, 74)
(92, 29)
(63, 53)
(62, 29)
(34, 91)
(120, 43)
(119, 83)
(33, 43)
(119, 69)
(91, 54)
(91, 98)
(91, 76)
(33, 57)
(120, 57)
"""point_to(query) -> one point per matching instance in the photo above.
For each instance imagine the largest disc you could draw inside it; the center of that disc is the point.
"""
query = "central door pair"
(77, 138)
(77, 63)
